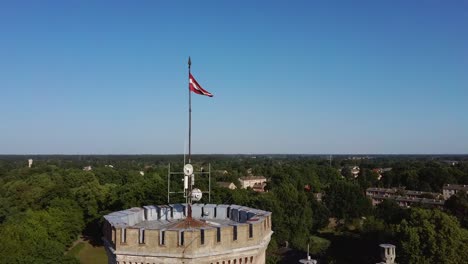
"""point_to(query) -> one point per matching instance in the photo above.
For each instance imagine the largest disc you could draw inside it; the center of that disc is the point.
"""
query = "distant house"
(450, 162)
(380, 171)
(451, 189)
(404, 198)
(257, 183)
(229, 185)
(88, 168)
(318, 196)
(222, 172)
(355, 171)
(385, 169)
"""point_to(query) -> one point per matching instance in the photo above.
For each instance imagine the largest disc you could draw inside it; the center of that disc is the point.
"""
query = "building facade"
(229, 234)
(404, 198)
(257, 183)
(451, 189)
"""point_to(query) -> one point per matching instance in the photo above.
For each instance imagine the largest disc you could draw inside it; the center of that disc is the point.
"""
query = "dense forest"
(45, 208)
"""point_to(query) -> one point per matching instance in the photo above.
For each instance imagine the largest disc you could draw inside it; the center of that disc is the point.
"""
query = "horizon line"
(244, 154)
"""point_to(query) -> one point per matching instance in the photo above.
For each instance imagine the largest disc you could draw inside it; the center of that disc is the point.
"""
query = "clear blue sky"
(82, 77)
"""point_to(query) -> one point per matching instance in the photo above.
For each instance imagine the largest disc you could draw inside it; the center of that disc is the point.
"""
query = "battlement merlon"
(157, 229)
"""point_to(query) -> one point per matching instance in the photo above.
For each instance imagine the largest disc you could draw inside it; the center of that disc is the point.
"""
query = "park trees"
(34, 237)
(431, 236)
(457, 205)
(345, 200)
(390, 212)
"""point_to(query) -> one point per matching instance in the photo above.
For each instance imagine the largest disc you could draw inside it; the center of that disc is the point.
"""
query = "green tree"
(457, 205)
(345, 200)
(431, 236)
(390, 212)
(68, 220)
(346, 172)
(32, 237)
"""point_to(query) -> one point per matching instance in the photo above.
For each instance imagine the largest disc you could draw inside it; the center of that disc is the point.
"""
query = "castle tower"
(229, 234)
(188, 233)
(388, 254)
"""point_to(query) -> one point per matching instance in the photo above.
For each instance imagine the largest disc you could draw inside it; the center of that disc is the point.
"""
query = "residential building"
(405, 198)
(229, 185)
(257, 183)
(451, 189)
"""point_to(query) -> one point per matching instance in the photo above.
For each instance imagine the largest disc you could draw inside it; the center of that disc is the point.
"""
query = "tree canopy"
(49, 205)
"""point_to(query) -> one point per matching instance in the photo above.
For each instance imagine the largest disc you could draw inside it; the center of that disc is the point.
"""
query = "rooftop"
(455, 187)
(173, 216)
(410, 199)
(248, 178)
(225, 184)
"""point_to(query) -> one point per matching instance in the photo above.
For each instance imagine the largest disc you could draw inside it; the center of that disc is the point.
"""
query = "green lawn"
(88, 254)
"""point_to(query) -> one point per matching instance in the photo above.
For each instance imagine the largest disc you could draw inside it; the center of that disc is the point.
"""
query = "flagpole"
(190, 115)
(189, 211)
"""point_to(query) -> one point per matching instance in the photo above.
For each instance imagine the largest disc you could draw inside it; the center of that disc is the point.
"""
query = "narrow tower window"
(142, 236)
(234, 233)
(181, 238)
(202, 236)
(123, 235)
(218, 234)
(162, 237)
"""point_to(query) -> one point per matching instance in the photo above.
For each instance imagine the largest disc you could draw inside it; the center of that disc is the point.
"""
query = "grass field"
(89, 254)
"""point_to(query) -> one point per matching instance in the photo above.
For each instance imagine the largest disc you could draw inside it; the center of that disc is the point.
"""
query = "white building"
(257, 183)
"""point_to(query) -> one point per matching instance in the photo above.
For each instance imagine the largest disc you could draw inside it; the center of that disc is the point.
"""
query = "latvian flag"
(196, 88)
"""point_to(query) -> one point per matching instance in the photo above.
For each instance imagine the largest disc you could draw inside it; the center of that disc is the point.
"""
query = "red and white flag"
(196, 88)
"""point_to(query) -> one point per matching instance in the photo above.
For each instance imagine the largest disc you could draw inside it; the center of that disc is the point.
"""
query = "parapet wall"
(228, 227)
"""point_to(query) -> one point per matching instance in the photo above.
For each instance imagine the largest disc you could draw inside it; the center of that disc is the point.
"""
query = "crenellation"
(209, 211)
(244, 234)
(152, 238)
